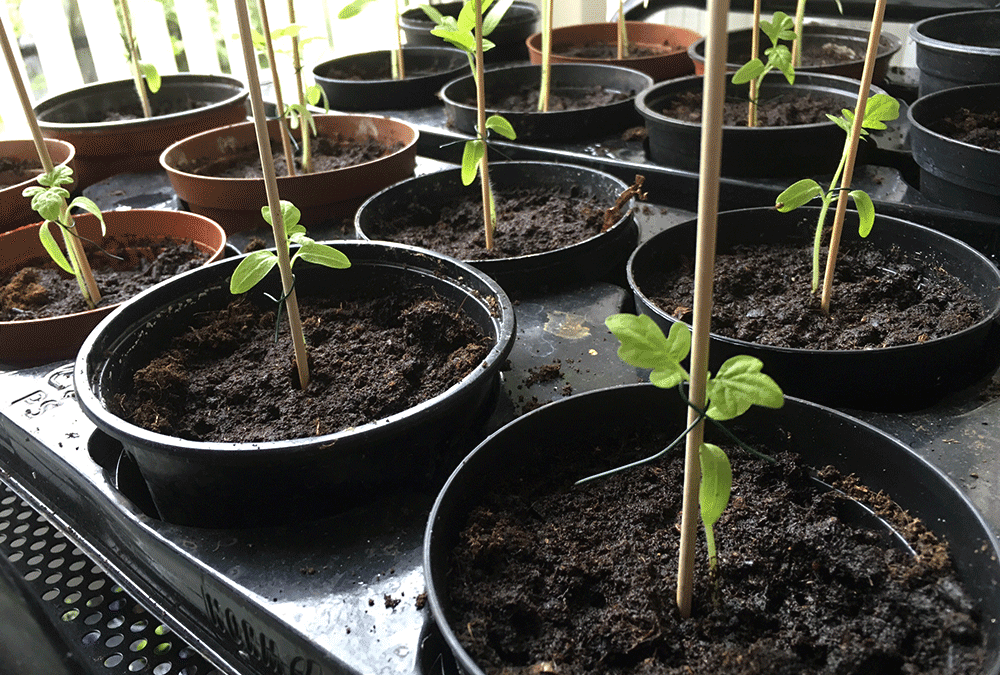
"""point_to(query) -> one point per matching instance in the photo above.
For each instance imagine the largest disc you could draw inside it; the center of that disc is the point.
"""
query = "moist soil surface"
(525, 99)
(133, 111)
(373, 353)
(358, 72)
(43, 290)
(14, 171)
(780, 111)
(329, 153)
(551, 578)
(609, 50)
(977, 128)
(529, 221)
(880, 299)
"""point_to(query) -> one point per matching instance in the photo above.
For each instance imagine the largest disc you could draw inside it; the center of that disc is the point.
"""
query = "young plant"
(738, 385)
(397, 66)
(778, 56)
(48, 198)
(468, 33)
(143, 74)
(622, 32)
(879, 109)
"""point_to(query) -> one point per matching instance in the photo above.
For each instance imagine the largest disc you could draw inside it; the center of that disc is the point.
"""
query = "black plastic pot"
(815, 35)
(957, 49)
(584, 261)
(520, 21)
(568, 79)
(368, 88)
(892, 378)
(820, 435)
(796, 150)
(249, 484)
(952, 172)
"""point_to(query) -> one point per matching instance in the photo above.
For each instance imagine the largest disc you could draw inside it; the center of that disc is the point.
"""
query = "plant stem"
(273, 200)
(713, 97)
(622, 37)
(74, 247)
(543, 93)
(852, 151)
(133, 49)
(399, 71)
(713, 558)
(754, 52)
(297, 66)
(484, 168)
(800, 13)
(825, 202)
(286, 143)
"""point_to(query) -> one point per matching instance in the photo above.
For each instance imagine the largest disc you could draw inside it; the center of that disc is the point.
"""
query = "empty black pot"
(568, 79)
(519, 22)
(957, 49)
(890, 378)
(212, 484)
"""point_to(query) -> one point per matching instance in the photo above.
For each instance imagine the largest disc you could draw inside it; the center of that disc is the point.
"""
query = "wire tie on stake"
(281, 303)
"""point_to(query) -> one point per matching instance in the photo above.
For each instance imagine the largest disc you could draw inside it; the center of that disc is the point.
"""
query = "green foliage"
(255, 266)
(476, 148)
(354, 8)
(778, 55)
(713, 493)
(879, 109)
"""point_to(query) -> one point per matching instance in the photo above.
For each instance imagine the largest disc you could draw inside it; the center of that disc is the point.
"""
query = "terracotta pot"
(25, 343)
(133, 146)
(673, 62)
(957, 49)
(520, 21)
(235, 203)
(15, 209)
(815, 35)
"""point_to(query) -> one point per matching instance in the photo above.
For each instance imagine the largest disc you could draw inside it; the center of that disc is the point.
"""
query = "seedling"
(738, 385)
(623, 45)
(778, 56)
(397, 65)
(468, 33)
(800, 13)
(143, 74)
(879, 109)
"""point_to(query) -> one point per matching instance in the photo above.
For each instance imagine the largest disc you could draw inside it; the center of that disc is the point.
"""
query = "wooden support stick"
(543, 94)
(754, 53)
(286, 143)
(398, 56)
(714, 93)
(484, 165)
(273, 200)
(133, 50)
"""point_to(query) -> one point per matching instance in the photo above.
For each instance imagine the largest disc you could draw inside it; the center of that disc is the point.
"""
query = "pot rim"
(34, 179)
(95, 409)
(174, 80)
(597, 25)
(991, 315)
(918, 35)
(225, 181)
(411, 49)
(621, 222)
(916, 108)
(822, 81)
(418, 20)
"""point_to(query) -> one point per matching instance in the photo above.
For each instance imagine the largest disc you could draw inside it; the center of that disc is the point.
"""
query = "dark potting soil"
(336, 152)
(133, 111)
(783, 110)
(551, 578)
(525, 99)
(529, 220)
(977, 128)
(363, 72)
(373, 353)
(14, 171)
(815, 53)
(880, 298)
(44, 290)
(609, 50)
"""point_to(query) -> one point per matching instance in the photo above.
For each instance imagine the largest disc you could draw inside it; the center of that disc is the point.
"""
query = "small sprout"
(713, 494)
(255, 266)
(778, 56)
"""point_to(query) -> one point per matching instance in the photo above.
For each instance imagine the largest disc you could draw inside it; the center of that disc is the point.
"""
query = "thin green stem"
(826, 200)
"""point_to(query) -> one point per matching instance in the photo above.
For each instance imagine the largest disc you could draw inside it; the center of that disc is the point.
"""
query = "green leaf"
(50, 203)
(290, 216)
(314, 94)
(780, 57)
(152, 76)
(52, 248)
(879, 109)
(321, 254)
(500, 125)
(750, 70)
(778, 28)
(474, 151)
(644, 346)
(434, 15)
(460, 39)
(90, 207)
(251, 270)
(866, 211)
(845, 121)
(353, 9)
(716, 482)
(494, 16)
(60, 175)
(291, 30)
(797, 194)
(467, 17)
(738, 385)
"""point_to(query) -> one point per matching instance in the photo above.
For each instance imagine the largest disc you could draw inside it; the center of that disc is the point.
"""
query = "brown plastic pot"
(26, 343)
(15, 209)
(673, 62)
(814, 34)
(235, 203)
(133, 146)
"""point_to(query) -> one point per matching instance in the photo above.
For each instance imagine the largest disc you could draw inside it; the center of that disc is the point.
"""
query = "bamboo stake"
(484, 166)
(297, 65)
(133, 49)
(800, 13)
(852, 146)
(286, 143)
(398, 56)
(74, 247)
(273, 200)
(622, 38)
(713, 98)
(543, 94)
(754, 51)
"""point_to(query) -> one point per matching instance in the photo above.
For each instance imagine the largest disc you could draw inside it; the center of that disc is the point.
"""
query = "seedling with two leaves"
(778, 57)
